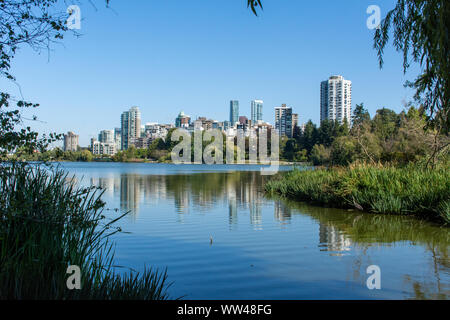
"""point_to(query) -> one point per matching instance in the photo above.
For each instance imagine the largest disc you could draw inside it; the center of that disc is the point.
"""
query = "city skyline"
(335, 105)
(134, 131)
(186, 66)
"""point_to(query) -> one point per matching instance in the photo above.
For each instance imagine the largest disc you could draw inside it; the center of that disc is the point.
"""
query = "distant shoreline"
(281, 163)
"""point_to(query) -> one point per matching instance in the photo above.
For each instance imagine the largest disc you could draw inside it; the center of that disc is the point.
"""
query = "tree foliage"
(32, 23)
(421, 32)
(387, 137)
(253, 5)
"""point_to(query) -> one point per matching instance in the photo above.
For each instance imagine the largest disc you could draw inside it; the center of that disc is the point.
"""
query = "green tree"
(85, 156)
(320, 155)
(385, 123)
(309, 137)
(325, 132)
(343, 151)
(289, 150)
(421, 31)
(297, 132)
(360, 115)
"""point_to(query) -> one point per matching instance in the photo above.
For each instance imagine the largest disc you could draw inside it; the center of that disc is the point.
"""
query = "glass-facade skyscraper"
(257, 111)
(234, 111)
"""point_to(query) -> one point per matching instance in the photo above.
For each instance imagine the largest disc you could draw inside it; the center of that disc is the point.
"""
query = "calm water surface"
(262, 248)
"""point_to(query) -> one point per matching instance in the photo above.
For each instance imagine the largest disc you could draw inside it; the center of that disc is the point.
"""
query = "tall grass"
(47, 224)
(376, 189)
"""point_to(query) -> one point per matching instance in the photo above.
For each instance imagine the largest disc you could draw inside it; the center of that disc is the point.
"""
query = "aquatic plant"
(48, 224)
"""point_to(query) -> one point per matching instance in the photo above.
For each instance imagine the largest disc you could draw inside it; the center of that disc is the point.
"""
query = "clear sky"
(197, 55)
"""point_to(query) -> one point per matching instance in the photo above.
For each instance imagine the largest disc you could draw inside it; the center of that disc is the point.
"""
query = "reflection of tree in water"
(332, 239)
(282, 211)
(367, 230)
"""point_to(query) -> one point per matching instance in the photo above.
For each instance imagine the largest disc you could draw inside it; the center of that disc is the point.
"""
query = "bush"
(320, 155)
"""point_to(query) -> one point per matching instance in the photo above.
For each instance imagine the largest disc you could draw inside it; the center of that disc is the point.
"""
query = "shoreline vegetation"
(147, 161)
(377, 189)
(49, 224)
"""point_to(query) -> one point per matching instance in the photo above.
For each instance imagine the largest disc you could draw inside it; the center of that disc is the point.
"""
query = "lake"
(220, 237)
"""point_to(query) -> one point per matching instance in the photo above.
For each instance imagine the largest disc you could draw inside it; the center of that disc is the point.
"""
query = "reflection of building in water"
(154, 188)
(132, 188)
(181, 199)
(282, 211)
(233, 196)
(239, 191)
(255, 202)
(232, 205)
(242, 192)
(107, 184)
(110, 185)
(255, 214)
(130, 192)
(332, 239)
(232, 212)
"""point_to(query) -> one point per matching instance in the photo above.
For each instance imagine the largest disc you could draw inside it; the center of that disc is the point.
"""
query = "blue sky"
(197, 55)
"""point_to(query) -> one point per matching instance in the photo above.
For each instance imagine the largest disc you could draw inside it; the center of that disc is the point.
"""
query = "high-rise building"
(294, 120)
(106, 136)
(106, 143)
(234, 111)
(182, 121)
(103, 148)
(294, 123)
(118, 138)
(257, 111)
(70, 141)
(131, 127)
(336, 99)
(283, 121)
(226, 125)
(156, 131)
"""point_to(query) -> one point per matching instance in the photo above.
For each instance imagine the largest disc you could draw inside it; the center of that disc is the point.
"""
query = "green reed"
(377, 189)
(48, 223)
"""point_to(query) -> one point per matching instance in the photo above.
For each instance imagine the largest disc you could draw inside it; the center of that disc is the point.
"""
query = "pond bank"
(375, 189)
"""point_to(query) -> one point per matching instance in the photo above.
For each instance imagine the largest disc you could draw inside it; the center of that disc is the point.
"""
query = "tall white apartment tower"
(336, 99)
(131, 127)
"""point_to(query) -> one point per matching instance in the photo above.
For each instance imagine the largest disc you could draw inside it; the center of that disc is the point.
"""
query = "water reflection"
(199, 192)
(340, 231)
(338, 234)
(332, 239)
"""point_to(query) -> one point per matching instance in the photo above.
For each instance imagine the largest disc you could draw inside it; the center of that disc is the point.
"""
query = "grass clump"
(48, 224)
(377, 189)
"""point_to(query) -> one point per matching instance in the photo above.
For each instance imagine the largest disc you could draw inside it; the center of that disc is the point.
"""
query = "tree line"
(388, 136)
